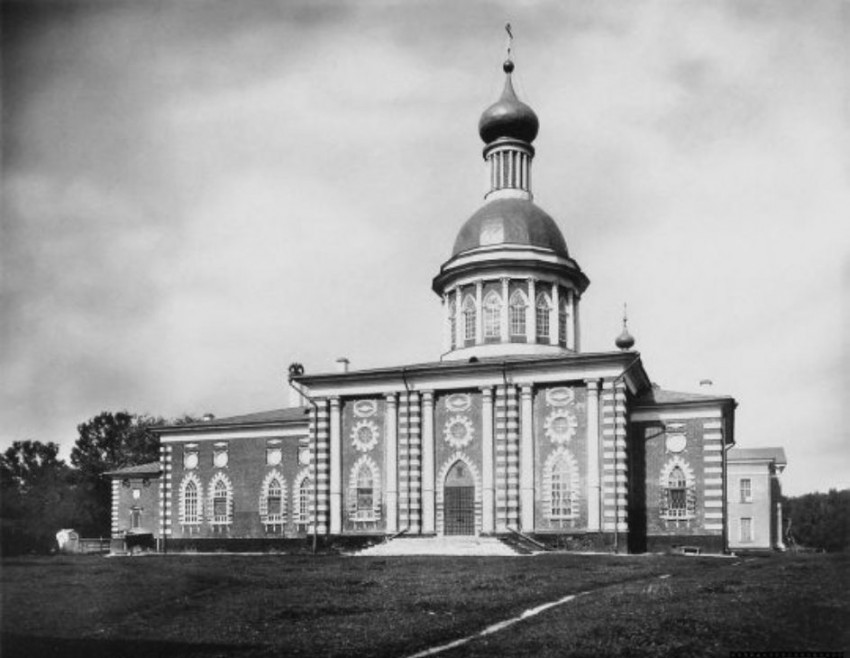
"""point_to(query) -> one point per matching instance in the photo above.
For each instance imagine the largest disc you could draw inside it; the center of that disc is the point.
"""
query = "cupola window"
(469, 319)
(492, 316)
(562, 322)
(518, 309)
(452, 323)
(543, 310)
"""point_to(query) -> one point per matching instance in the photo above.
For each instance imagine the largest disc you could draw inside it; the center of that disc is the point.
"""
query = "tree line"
(818, 520)
(41, 494)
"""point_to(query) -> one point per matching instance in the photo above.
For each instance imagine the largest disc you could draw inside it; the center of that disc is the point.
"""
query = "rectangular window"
(746, 529)
(542, 322)
(517, 313)
(137, 518)
(492, 322)
(469, 325)
(746, 490)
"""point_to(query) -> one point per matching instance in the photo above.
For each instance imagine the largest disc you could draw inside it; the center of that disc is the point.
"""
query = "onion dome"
(508, 117)
(625, 341)
(510, 221)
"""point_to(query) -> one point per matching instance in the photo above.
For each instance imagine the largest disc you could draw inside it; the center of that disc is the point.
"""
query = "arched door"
(459, 501)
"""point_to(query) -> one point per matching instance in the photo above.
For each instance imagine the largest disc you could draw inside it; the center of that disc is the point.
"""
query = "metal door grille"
(460, 510)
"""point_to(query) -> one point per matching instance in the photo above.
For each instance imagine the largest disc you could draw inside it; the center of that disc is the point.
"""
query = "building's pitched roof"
(272, 417)
(758, 454)
(151, 468)
(657, 395)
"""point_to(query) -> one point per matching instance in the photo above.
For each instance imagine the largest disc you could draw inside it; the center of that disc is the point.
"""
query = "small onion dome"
(508, 117)
(625, 341)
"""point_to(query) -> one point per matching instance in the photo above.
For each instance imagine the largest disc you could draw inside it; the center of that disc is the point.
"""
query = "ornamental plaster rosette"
(458, 431)
(364, 435)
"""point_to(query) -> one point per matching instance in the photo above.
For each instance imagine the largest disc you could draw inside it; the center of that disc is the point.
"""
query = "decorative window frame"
(492, 312)
(220, 478)
(199, 487)
(266, 519)
(543, 314)
(303, 474)
(517, 315)
(690, 490)
(575, 492)
(365, 461)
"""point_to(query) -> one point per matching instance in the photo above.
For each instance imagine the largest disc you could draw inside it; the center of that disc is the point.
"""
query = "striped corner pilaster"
(609, 458)
(512, 455)
(116, 493)
(414, 447)
(403, 461)
(713, 464)
(165, 503)
(322, 467)
(500, 440)
(621, 462)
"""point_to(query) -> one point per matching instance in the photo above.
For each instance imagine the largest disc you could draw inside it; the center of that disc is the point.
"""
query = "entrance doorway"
(459, 501)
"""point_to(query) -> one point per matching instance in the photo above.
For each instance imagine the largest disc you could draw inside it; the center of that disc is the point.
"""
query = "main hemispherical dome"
(510, 221)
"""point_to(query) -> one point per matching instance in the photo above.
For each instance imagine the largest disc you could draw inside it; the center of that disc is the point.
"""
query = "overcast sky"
(197, 194)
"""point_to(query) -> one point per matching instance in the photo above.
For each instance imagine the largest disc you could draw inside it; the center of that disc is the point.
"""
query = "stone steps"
(453, 545)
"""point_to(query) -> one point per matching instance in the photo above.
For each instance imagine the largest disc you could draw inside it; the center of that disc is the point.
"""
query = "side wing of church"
(512, 430)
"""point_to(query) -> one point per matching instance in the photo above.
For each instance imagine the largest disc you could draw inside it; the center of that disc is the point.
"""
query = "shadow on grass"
(25, 646)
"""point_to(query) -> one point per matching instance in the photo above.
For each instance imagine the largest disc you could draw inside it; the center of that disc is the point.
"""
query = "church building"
(512, 430)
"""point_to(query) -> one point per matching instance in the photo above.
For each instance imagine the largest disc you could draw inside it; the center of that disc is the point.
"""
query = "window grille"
(492, 316)
(365, 490)
(560, 496)
(274, 502)
(746, 491)
(305, 500)
(677, 502)
(469, 319)
(517, 314)
(220, 503)
(542, 311)
(190, 503)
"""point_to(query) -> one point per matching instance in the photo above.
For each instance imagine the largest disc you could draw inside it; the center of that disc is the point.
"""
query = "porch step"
(452, 545)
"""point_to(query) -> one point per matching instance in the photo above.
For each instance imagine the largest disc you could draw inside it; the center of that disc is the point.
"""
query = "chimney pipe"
(342, 364)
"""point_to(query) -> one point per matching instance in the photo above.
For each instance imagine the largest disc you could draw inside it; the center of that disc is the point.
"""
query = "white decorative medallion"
(676, 442)
(190, 460)
(560, 397)
(365, 408)
(364, 435)
(458, 431)
(458, 402)
(560, 425)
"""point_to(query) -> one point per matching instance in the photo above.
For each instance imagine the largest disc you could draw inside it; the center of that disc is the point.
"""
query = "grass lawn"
(227, 605)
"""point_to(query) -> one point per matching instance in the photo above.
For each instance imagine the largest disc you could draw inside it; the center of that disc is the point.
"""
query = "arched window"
(365, 493)
(274, 502)
(543, 309)
(560, 503)
(677, 500)
(517, 312)
(562, 322)
(220, 500)
(469, 318)
(492, 316)
(191, 513)
(305, 500)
